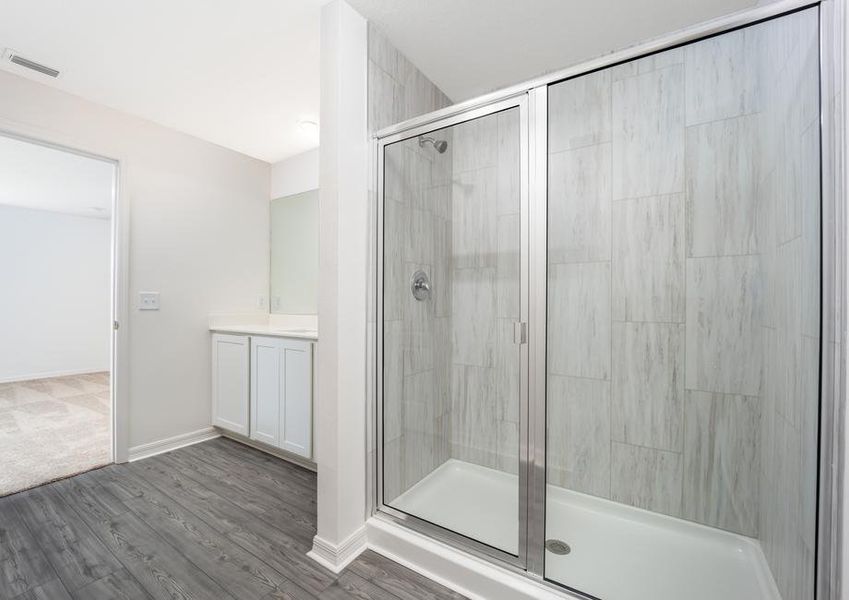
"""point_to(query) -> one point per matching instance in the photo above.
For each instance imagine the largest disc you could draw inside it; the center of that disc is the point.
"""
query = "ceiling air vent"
(15, 58)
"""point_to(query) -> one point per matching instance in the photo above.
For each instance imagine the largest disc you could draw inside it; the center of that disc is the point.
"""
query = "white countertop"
(266, 329)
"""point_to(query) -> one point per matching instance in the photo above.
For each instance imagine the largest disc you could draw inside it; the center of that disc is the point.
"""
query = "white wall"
(198, 234)
(55, 305)
(295, 175)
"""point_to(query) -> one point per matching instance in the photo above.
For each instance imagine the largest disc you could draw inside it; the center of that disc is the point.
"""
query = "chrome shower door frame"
(532, 95)
(517, 101)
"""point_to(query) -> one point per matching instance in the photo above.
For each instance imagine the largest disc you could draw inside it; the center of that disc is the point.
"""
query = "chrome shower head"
(440, 145)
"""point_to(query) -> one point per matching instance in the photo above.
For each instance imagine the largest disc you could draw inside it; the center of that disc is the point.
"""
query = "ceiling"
(44, 178)
(237, 73)
(470, 47)
(244, 73)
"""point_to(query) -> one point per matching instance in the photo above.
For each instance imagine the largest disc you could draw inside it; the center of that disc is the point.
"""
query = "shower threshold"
(617, 552)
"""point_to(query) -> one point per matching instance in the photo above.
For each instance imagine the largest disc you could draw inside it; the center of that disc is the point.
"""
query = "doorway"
(57, 264)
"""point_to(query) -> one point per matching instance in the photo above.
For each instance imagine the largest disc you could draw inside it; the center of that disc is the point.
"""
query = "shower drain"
(557, 547)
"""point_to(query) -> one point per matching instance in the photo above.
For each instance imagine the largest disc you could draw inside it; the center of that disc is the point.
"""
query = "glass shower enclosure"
(599, 322)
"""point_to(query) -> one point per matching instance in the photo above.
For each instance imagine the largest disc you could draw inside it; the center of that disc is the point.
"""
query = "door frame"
(518, 561)
(119, 269)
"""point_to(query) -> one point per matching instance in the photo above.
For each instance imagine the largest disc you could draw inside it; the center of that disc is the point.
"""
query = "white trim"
(172, 443)
(466, 574)
(334, 557)
(119, 361)
(49, 375)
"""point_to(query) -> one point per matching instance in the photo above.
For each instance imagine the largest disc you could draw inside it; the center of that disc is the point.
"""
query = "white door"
(266, 389)
(230, 382)
(296, 411)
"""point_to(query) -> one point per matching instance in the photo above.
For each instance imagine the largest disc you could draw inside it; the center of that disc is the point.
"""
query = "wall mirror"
(294, 254)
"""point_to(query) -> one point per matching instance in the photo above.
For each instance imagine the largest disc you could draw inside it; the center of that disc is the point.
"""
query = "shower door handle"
(520, 332)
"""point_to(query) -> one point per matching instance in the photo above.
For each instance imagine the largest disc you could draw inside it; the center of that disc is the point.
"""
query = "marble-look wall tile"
(780, 513)
(473, 317)
(809, 440)
(394, 280)
(723, 203)
(648, 134)
(418, 235)
(381, 51)
(647, 64)
(578, 439)
(509, 166)
(420, 410)
(485, 291)
(420, 457)
(788, 358)
(386, 98)
(507, 459)
(508, 266)
(648, 259)
(507, 373)
(417, 213)
(648, 385)
(408, 93)
(393, 379)
(474, 423)
(475, 144)
(812, 250)
(646, 478)
(579, 205)
(579, 112)
(721, 461)
(723, 336)
(442, 364)
(442, 270)
(724, 76)
(418, 333)
(393, 460)
(579, 326)
(474, 242)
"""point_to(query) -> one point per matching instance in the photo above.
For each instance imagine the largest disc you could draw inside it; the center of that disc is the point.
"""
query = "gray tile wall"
(417, 214)
(485, 291)
(684, 231)
(684, 290)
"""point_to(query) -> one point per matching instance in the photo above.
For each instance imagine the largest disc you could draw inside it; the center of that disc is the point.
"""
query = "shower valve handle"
(420, 285)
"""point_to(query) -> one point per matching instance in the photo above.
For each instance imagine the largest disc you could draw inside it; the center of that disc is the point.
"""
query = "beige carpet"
(53, 428)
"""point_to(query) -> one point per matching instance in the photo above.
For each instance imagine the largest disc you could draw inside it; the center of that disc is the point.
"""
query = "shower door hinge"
(115, 325)
(520, 332)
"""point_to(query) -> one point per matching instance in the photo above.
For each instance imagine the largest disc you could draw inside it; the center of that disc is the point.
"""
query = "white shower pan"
(617, 552)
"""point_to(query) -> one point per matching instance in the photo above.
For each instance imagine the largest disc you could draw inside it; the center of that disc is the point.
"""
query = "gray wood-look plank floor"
(216, 520)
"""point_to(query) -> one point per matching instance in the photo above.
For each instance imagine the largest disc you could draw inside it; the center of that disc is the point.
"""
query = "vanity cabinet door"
(266, 389)
(296, 408)
(230, 382)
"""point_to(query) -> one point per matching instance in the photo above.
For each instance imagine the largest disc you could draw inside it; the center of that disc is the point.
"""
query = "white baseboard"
(337, 557)
(172, 443)
(464, 573)
(51, 374)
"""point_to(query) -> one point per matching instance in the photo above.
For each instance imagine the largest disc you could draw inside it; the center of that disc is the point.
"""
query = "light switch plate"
(148, 300)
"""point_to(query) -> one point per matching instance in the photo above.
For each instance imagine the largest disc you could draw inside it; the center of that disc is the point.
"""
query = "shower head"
(440, 145)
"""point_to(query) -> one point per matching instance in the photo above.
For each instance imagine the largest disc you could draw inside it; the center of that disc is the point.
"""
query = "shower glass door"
(451, 313)
(684, 320)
